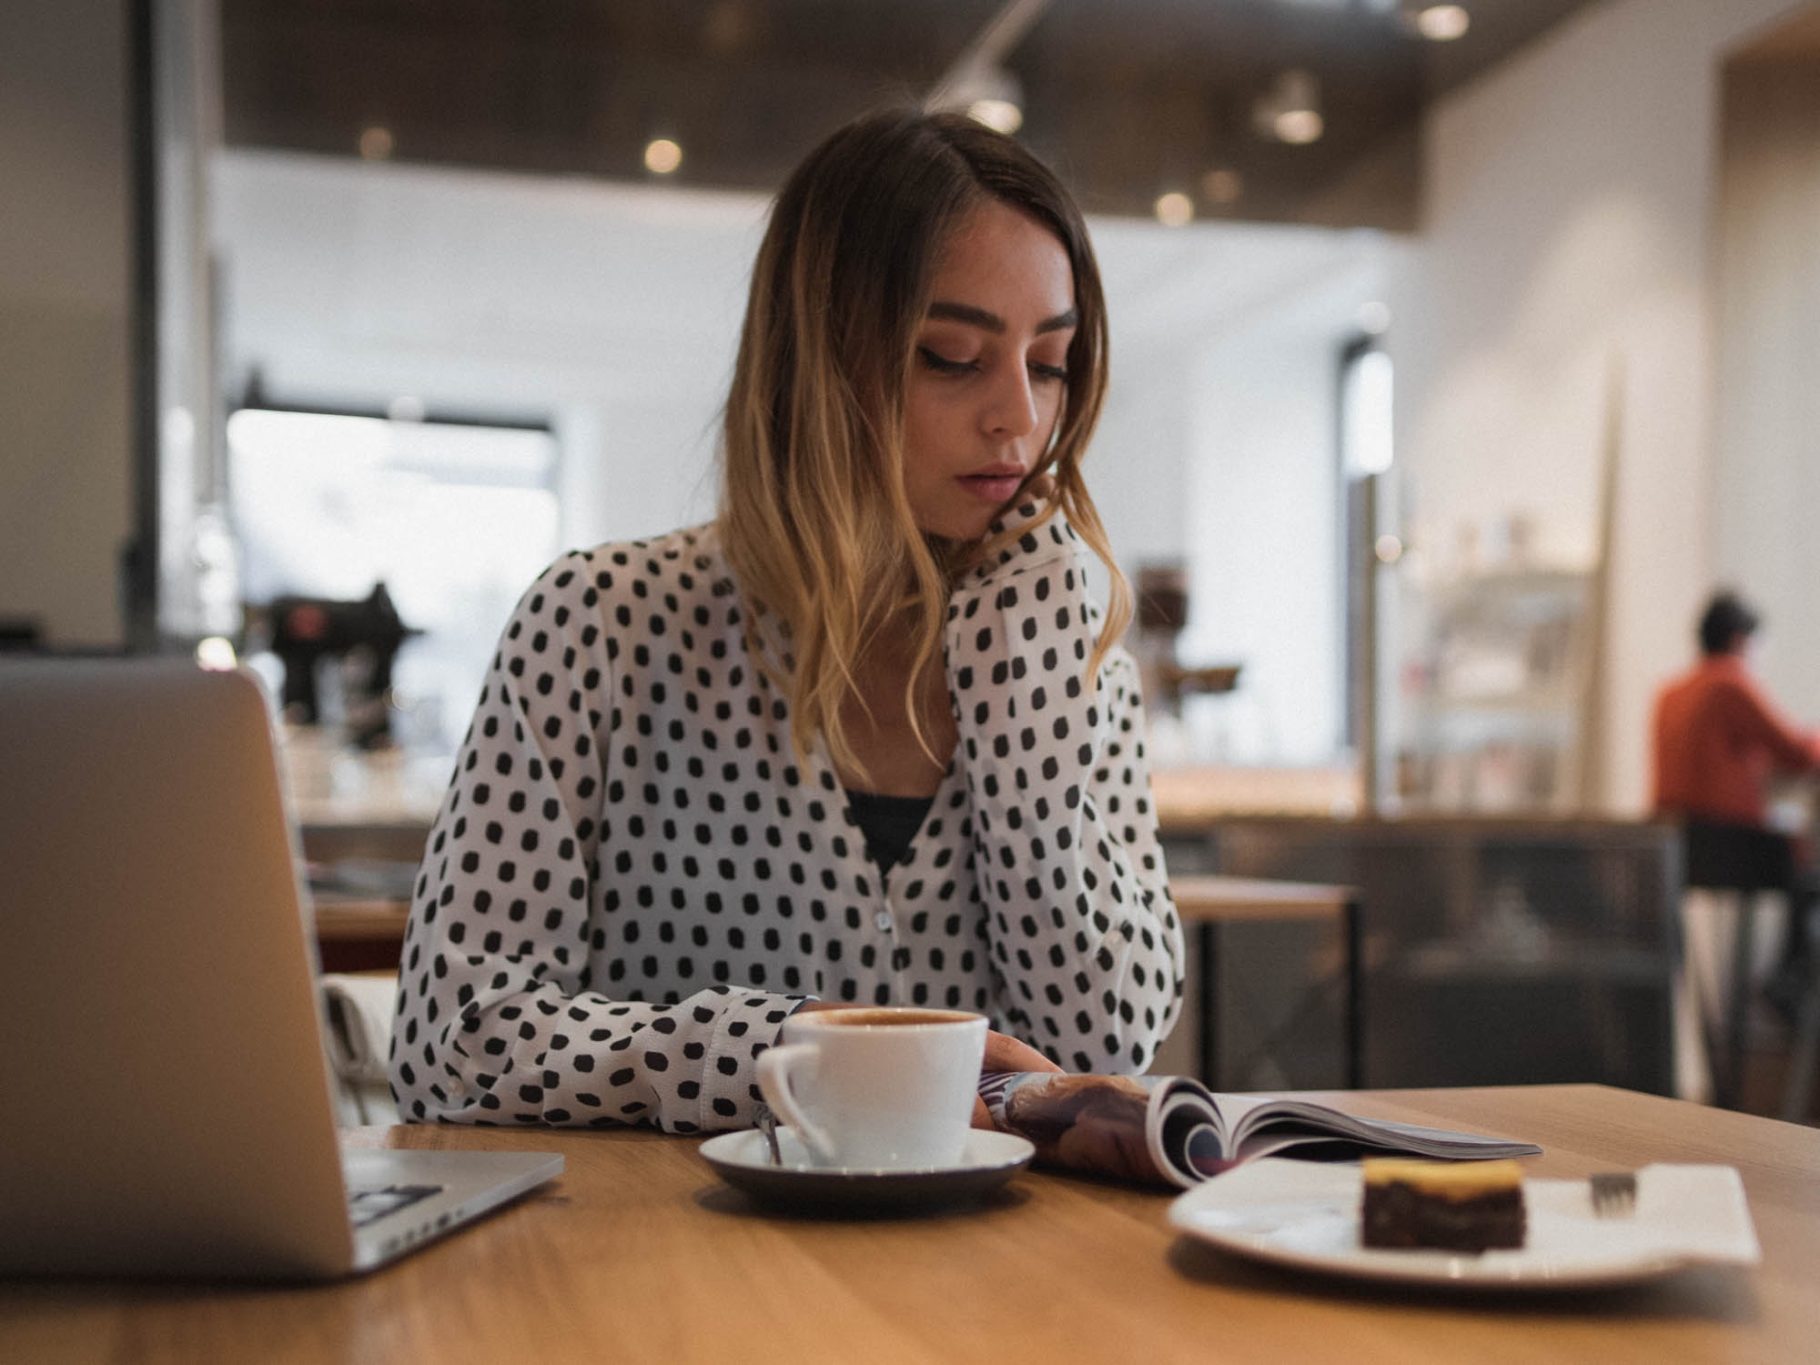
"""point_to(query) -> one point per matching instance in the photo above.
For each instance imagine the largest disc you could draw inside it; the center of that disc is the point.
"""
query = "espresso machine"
(1161, 616)
(361, 638)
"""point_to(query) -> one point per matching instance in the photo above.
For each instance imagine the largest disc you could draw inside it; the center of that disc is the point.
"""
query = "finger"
(816, 1006)
(982, 1116)
(1005, 1053)
(1042, 486)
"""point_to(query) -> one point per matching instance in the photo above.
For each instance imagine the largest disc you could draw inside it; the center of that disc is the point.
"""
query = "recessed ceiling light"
(1290, 111)
(1299, 127)
(662, 156)
(1442, 23)
(1174, 209)
(376, 142)
(1000, 115)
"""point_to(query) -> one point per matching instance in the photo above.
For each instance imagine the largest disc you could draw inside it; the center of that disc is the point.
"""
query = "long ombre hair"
(814, 516)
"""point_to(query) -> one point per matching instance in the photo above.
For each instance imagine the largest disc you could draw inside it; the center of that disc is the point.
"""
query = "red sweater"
(1718, 740)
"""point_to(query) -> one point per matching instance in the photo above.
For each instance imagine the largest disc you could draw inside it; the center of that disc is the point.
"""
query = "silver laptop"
(165, 1100)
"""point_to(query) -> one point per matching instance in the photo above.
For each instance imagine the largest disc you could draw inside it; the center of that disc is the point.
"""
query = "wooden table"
(359, 934)
(1189, 800)
(639, 1253)
(1206, 903)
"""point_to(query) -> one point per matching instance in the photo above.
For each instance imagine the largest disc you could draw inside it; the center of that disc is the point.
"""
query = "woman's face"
(989, 372)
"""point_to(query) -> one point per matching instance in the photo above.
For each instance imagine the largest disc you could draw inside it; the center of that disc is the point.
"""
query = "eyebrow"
(992, 322)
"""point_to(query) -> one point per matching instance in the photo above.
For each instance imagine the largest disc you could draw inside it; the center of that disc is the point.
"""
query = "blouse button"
(883, 920)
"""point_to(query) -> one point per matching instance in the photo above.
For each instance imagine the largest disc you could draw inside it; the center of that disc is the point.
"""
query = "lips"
(994, 484)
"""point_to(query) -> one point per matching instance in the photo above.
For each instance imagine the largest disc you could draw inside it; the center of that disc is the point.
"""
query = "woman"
(863, 739)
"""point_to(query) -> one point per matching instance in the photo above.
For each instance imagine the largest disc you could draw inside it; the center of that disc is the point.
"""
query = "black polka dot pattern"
(633, 881)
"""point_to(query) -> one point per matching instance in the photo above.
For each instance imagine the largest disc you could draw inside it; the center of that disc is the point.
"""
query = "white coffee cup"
(885, 1089)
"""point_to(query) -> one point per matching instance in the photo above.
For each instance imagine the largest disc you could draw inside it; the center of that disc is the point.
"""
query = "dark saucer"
(743, 1160)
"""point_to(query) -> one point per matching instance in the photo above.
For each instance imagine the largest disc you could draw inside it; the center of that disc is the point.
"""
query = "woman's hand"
(959, 557)
(1005, 1053)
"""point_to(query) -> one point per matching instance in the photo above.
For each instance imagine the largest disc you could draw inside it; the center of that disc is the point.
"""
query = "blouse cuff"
(750, 1022)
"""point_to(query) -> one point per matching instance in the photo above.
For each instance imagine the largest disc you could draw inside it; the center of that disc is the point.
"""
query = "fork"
(1614, 1194)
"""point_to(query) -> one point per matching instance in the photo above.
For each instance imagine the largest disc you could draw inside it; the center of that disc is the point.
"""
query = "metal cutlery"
(767, 1124)
(1614, 1194)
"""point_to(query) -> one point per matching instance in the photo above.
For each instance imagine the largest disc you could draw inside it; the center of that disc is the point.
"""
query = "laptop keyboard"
(369, 1205)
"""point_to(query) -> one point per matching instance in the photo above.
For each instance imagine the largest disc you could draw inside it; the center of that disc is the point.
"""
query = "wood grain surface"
(1230, 899)
(640, 1254)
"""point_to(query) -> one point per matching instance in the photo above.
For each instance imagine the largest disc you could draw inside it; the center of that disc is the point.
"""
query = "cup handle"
(774, 1083)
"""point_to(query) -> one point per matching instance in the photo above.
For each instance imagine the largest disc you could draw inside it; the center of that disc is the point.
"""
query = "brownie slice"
(1442, 1205)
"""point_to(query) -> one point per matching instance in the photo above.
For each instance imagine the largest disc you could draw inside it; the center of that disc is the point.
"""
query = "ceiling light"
(1174, 209)
(1299, 127)
(999, 115)
(1222, 186)
(1290, 111)
(1441, 23)
(662, 156)
(990, 94)
(376, 142)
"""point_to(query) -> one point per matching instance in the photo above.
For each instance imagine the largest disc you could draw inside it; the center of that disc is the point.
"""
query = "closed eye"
(942, 365)
(939, 363)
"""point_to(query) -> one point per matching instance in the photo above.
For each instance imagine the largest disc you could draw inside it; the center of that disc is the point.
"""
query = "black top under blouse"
(889, 823)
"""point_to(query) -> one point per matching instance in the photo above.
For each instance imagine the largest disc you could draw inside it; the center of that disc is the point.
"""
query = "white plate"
(1306, 1215)
(744, 1161)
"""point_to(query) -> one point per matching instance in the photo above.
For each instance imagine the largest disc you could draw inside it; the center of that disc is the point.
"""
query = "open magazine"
(1172, 1130)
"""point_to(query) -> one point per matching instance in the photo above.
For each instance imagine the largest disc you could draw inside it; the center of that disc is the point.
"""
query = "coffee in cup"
(877, 1089)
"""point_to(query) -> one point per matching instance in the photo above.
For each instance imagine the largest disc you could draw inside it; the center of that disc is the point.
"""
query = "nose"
(1011, 410)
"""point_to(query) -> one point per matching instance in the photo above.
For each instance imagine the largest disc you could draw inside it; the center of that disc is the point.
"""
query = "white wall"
(65, 433)
(1265, 490)
(1570, 194)
(1767, 485)
(610, 311)
(1171, 294)
(614, 310)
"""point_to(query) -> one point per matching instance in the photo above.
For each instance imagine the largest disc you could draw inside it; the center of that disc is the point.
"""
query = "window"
(1366, 450)
(455, 520)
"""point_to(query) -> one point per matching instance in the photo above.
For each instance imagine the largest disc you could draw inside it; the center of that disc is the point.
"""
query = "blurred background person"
(1718, 741)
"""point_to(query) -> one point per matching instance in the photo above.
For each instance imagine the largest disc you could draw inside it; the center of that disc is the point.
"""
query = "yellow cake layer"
(1447, 1179)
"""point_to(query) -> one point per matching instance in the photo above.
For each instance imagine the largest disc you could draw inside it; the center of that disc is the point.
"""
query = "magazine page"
(1171, 1130)
(1261, 1126)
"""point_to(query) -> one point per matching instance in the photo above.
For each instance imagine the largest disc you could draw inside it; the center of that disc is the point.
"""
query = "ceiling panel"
(1127, 98)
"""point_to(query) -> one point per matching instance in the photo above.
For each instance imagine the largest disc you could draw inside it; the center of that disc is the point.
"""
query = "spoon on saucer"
(767, 1124)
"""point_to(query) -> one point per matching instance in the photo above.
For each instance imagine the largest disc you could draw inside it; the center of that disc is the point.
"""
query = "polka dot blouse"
(633, 881)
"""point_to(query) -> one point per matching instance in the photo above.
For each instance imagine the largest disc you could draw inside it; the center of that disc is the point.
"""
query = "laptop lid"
(163, 1089)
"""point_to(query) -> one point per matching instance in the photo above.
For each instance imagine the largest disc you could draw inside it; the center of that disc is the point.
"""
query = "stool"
(1797, 1091)
(1745, 861)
